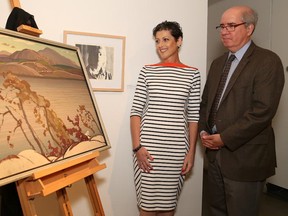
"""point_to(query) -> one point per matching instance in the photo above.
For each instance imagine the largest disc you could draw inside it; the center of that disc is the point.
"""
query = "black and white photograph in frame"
(104, 57)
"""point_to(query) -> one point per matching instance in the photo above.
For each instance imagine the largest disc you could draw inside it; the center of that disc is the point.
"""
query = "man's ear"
(250, 29)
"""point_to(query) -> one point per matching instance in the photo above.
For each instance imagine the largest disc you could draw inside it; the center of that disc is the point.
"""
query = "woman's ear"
(179, 42)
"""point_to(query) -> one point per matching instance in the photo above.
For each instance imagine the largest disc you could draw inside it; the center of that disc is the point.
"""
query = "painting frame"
(115, 46)
(44, 122)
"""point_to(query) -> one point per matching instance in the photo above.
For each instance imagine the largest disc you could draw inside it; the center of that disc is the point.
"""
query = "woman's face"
(167, 46)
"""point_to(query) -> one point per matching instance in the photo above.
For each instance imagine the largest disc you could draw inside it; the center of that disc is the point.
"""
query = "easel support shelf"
(56, 179)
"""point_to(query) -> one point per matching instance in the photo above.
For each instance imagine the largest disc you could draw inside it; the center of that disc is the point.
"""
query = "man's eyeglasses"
(230, 27)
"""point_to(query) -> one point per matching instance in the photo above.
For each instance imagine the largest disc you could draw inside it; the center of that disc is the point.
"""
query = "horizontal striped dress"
(167, 97)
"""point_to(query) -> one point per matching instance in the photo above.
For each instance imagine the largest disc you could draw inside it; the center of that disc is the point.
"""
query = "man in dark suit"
(239, 140)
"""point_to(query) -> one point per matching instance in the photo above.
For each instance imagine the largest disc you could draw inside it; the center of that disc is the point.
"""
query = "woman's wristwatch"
(137, 148)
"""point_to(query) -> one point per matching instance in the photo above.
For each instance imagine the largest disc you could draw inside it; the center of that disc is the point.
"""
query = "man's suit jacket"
(244, 117)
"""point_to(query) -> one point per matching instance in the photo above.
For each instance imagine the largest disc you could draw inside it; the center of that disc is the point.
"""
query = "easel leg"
(64, 203)
(94, 196)
(27, 204)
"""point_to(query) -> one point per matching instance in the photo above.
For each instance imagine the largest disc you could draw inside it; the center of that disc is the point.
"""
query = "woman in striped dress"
(164, 123)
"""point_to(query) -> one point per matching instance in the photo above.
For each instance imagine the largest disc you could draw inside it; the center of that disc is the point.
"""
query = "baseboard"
(277, 191)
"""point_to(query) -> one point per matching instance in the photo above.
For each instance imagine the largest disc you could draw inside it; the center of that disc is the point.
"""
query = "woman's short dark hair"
(173, 27)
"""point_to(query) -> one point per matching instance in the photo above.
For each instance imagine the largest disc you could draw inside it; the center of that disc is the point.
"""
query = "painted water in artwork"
(47, 111)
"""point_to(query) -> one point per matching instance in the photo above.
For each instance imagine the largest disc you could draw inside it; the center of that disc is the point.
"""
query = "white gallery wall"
(134, 20)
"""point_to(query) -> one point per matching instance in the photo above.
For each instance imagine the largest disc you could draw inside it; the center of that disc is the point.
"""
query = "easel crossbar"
(55, 181)
(45, 172)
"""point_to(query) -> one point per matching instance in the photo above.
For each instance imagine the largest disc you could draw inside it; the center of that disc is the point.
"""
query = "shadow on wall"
(211, 2)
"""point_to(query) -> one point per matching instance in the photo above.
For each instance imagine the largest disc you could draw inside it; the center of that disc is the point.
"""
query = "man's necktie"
(220, 89)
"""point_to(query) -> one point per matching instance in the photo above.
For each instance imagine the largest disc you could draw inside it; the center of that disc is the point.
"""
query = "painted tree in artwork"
(25, 112)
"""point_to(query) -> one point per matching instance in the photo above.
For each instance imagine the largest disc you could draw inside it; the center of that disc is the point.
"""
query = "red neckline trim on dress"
(172, 65)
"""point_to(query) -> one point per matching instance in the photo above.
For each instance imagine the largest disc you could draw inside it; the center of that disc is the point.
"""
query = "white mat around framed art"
(103, 56)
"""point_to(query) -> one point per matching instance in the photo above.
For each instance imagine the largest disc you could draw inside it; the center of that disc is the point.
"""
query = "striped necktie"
(224, 75)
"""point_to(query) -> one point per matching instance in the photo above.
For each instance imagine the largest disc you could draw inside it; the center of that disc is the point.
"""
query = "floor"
(272, 205)
(275, 201)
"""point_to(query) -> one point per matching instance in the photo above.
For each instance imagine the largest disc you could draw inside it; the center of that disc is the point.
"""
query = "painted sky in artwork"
(11, 45)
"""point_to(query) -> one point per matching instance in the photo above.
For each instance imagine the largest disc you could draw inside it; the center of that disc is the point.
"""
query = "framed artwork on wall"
(48, 112)
(103, 56)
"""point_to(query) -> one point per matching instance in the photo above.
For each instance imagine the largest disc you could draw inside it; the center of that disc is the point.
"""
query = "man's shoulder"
(264, 52)
(221, 59)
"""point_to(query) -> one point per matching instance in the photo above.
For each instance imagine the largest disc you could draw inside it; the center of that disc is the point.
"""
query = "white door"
(279, 44)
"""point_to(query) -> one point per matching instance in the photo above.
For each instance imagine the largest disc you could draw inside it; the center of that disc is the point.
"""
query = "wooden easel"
(56, 179)
(25, 28)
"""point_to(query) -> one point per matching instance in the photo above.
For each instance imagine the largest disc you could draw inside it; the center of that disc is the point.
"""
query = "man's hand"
(213, 141)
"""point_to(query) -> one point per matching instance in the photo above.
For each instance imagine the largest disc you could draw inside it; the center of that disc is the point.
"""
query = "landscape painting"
(48, 112)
